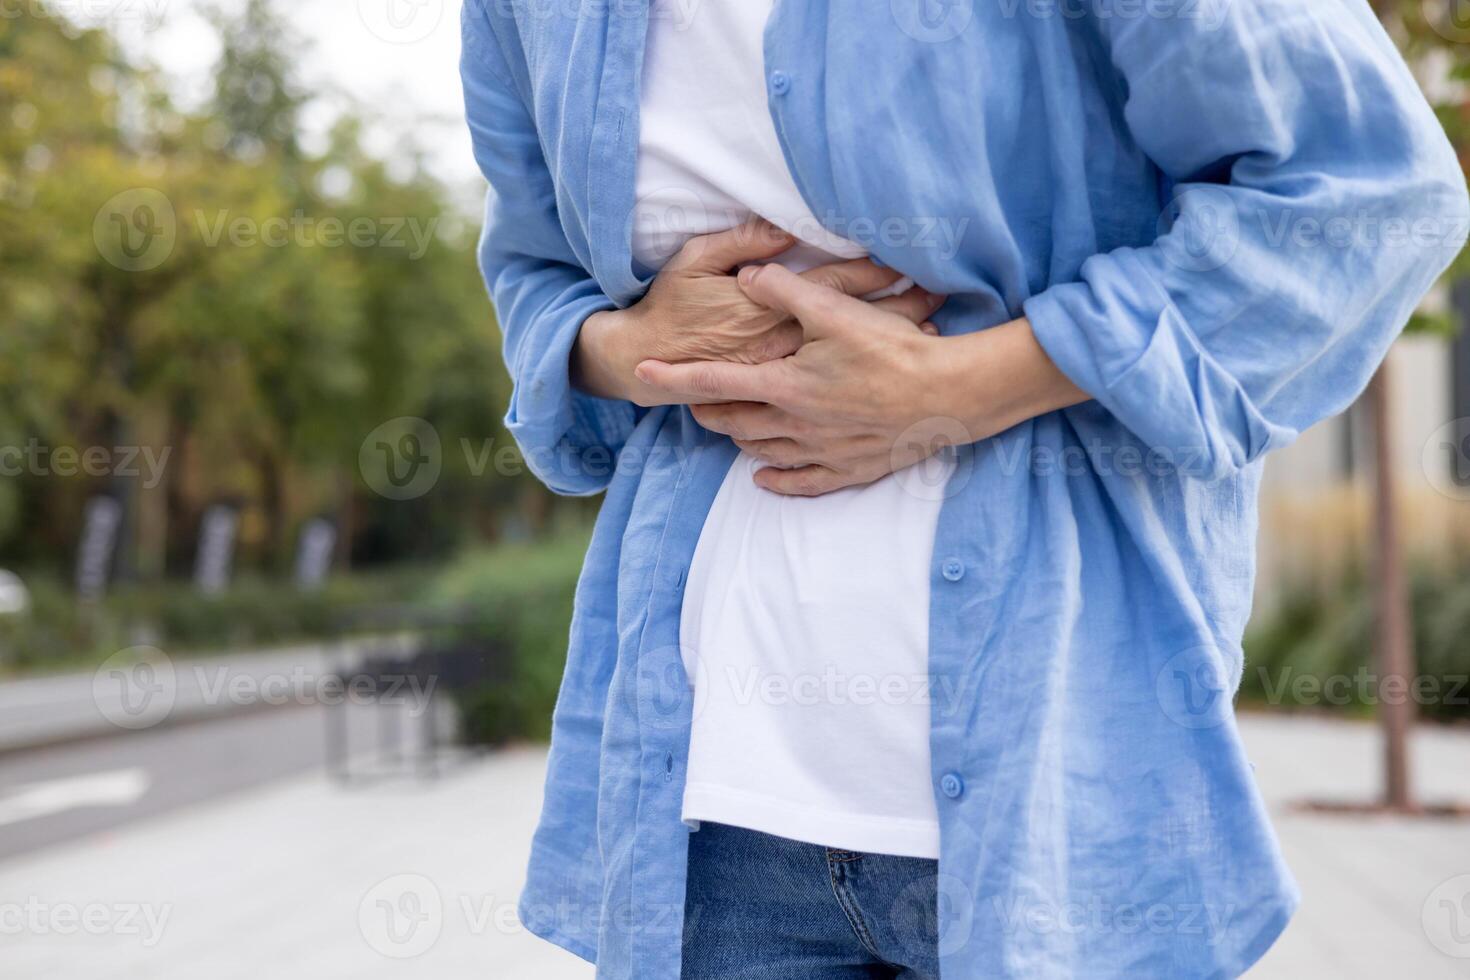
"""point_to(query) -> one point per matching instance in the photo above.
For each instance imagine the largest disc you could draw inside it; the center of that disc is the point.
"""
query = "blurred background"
(282, 614)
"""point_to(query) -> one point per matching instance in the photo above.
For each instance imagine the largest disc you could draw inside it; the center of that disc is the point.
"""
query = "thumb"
(754, 241)
(821, 310)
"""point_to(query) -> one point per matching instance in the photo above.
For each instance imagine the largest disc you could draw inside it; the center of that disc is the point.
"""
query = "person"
(926, 357)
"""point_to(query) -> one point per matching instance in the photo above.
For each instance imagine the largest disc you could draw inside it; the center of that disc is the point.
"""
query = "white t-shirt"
(805, 627)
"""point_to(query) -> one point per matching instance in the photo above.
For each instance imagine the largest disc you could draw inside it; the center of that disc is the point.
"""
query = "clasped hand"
(827, 389)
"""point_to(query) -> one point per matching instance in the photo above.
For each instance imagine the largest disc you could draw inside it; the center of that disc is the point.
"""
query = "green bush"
(60, 633)
(516, 601)
(1313, 636)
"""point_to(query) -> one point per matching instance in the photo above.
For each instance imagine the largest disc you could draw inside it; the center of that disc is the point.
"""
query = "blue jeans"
(765, 908)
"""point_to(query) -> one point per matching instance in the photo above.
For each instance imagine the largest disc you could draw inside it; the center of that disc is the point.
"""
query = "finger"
(714, 381)
(856, 278)
(805, 481)
(745, 420)
(754, 241)
(820, 309)
(786, 453)
(915, 305)
(782, 340)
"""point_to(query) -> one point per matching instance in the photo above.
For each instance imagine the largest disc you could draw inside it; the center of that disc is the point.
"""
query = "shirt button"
(952, 785)
(953, 569)
(780, 82)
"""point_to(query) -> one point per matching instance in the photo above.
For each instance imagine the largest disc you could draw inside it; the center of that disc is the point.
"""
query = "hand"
(695, 310)
(866, 394)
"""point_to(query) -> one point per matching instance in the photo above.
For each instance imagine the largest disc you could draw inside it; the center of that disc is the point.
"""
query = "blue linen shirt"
(1217, 215)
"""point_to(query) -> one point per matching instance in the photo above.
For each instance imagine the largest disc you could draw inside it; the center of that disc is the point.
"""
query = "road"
(49, 796)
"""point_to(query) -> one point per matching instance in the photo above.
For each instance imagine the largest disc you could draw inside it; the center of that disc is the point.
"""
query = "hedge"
(1316, 648)
(514, 603)
(60, 633)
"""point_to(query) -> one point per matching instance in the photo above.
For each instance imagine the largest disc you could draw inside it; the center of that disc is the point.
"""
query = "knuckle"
(689, 250)
(704, 381)
(798, 427)
(785, 451)
(822, 307)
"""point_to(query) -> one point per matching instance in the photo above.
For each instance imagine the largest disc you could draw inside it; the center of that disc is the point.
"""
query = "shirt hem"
(1251, 952)
(559, 938)
(810, 825)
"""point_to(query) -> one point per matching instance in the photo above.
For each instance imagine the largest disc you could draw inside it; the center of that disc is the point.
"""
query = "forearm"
(994, 379)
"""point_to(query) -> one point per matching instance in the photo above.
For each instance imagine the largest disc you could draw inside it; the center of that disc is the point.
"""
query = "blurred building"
(1317, 495)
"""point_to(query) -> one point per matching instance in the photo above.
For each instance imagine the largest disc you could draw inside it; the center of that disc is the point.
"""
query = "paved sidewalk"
(1378, 892)
(308, 880)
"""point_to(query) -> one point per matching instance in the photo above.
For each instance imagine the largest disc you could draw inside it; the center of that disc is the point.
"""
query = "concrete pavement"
(305, 879)
(1383, 896)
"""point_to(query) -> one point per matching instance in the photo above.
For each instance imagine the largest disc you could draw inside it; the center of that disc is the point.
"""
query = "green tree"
(256, 339)
(1435, 40)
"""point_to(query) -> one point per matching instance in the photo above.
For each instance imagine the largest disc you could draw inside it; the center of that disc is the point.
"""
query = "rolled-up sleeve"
(1312, 200)
(541, 293)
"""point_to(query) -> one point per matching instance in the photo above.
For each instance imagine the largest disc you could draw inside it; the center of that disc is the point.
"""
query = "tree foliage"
(303, 299)
(1434, 37)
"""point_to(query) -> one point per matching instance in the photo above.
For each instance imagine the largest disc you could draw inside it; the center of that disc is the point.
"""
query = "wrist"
(993, 379)
(610, 344)
(603, 356)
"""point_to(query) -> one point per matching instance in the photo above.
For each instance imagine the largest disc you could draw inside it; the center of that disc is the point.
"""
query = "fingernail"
(746, 276)
(641, 373)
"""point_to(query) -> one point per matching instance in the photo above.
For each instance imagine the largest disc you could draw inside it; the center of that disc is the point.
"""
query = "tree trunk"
(1394, 633)
(151, 540)
(274, 506)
